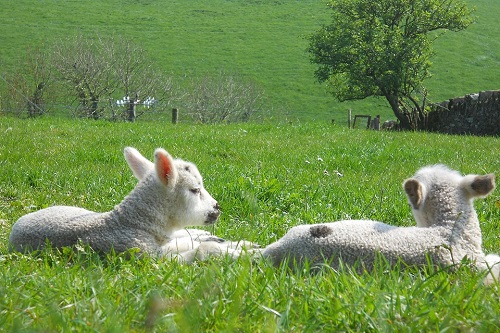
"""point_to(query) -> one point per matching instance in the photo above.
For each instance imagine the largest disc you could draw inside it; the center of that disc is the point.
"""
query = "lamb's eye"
(195, 191)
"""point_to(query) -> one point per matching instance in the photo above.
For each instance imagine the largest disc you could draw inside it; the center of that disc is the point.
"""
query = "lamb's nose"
(213, 215)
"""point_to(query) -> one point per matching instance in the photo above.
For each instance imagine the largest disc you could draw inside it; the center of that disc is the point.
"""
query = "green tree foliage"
(383, 48)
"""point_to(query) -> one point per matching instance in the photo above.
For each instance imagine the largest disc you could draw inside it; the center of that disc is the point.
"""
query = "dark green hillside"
(260, 40)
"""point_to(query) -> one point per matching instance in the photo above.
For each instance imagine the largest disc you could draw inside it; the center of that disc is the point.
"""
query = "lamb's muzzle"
(213, 216)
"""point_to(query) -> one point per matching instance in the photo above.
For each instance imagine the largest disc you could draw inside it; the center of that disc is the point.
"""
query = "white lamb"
(447, 229)
(169, 197)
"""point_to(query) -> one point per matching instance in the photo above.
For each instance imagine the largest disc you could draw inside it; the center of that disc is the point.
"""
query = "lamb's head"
(199, 206)
(437, 194)
(187, 200)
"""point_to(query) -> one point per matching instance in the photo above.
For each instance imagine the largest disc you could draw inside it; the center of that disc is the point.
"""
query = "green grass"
(267, 178)
(262, 41)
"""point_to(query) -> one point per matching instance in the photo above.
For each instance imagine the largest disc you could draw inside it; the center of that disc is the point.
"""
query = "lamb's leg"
(201, 252)
(492, 263)
(194, 233)
(179, 245)
(206, 250)
(205, 236)
(240, 245)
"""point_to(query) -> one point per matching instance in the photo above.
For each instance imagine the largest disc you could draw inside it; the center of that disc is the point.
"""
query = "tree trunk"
(404, 121)
(35, 103)
(132, 102)
(94, 112)
(131, 110)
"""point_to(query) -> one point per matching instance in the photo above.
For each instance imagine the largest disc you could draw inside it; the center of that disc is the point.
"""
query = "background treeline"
(113, 78)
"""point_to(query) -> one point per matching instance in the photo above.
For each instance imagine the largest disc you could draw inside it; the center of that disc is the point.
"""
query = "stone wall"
(477, 114)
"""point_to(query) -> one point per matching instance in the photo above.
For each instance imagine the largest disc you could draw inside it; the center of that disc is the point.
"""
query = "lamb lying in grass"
(169, 197)
(447, 229)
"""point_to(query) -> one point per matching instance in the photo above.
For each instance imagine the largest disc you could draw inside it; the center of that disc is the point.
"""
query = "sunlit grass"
(266, 178)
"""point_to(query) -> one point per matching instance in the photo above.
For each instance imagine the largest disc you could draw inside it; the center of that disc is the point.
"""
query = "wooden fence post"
(132, 102)
(349, 118)
(175, 115)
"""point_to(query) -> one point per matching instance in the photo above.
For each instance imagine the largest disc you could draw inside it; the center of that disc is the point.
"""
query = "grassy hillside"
(468, 61)
(260, 40)
(266, 178)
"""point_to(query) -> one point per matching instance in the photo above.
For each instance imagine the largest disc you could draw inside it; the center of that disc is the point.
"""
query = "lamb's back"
(61, 225)
(355, 240)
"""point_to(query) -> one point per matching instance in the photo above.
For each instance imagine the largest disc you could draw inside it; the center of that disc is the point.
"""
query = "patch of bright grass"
(267, 178)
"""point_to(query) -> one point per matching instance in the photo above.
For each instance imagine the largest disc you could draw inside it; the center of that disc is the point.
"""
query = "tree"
(38, 67)
(222, 98)
(137, 78)
(86, 66)
(99, 70)
(28, 86)
(383, 48)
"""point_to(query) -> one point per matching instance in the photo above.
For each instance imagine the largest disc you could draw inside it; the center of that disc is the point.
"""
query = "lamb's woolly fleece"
(169, 196)
(447, 228)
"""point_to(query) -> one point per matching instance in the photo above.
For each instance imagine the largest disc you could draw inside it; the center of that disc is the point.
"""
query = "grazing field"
(266, 178)
(261, 41)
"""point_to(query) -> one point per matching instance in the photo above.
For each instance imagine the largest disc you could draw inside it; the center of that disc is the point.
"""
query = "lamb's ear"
(139, 165)
(414, 191)
(479, 186)
(165, 168)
